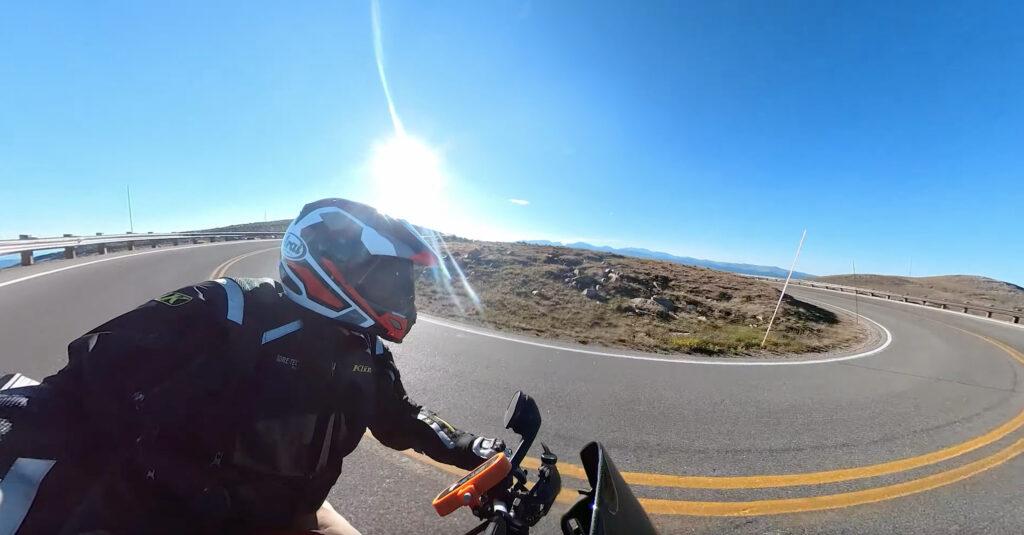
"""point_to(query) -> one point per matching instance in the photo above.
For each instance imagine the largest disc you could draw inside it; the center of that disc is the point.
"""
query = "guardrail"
(1012, 316)
(26, 245)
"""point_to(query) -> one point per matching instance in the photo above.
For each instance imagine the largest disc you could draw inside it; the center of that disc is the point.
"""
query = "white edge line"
(919, 305)
(879, 349)
(120, 257)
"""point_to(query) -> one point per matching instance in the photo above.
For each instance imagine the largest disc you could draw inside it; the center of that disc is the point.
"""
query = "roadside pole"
(131, 221)
(784, 287)
(856, 296)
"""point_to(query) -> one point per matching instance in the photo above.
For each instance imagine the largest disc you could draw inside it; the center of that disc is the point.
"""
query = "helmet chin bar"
(303, 299)
(393, 326)
(389, 325)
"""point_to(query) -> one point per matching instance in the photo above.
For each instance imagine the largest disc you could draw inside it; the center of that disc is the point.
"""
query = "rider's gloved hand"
(485, 448)
(473, 450)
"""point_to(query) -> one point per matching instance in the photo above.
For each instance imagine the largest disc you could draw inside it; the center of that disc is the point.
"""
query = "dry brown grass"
(539, 290)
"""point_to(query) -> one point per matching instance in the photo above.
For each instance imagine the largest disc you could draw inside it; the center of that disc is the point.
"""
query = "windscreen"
(615, 508)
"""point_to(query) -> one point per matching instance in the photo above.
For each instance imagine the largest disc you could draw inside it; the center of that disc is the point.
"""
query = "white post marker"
(784, 287)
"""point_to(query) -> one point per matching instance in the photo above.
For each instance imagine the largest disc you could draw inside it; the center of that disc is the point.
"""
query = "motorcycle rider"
(228, 406)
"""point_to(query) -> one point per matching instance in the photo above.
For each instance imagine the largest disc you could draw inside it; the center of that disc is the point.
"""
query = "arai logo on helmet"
(294, 248)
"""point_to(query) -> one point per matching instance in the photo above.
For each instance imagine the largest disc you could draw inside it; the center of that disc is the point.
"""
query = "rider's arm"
(401, 424)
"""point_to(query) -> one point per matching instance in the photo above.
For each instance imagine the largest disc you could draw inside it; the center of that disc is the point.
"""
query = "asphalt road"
(920, 437)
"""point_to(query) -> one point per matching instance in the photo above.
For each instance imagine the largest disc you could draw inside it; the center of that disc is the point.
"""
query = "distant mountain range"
(745, 269)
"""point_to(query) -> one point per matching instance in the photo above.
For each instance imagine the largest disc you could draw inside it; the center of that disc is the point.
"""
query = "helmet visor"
(386, 282)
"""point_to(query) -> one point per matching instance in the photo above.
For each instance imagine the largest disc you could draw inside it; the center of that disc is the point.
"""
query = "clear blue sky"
(892, 132)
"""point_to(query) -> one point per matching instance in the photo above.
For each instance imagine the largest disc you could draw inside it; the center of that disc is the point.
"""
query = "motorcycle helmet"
(348, 262)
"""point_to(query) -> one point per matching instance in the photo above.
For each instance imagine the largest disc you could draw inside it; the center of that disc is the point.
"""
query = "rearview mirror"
(523, 417)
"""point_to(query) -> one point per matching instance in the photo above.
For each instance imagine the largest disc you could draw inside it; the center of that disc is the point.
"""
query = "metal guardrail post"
(101, 248)
(26, 256)
(69, 252)
(152, 244)
(130, 244)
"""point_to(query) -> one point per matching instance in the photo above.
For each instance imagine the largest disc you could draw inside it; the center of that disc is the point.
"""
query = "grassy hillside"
(264, 226)
(955, 288)
(607, 299)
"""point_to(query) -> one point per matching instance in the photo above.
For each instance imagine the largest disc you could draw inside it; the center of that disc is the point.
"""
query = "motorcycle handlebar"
(497, 526)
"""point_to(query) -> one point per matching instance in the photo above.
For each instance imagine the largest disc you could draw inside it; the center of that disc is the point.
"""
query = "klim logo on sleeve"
(174, 299)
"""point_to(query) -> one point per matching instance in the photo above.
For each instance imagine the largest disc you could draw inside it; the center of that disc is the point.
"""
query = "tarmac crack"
(931, 378)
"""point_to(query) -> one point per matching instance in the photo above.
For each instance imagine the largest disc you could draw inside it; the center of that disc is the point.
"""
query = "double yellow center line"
(223, 268)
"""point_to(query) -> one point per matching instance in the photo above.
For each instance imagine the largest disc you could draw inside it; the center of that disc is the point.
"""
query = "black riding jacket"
(220, 407)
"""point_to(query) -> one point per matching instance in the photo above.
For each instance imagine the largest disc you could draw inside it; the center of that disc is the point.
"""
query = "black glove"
(485, 448)
(471, 450)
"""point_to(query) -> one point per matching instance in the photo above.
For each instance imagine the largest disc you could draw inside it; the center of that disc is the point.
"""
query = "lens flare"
(408, 180)
(443, 275)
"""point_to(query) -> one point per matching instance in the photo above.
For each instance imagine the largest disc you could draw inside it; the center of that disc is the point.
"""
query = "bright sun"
(408, 180)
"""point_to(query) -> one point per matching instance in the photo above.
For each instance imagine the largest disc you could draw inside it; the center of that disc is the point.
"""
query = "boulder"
(642, 306)
(583, 281)
(664, 303)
